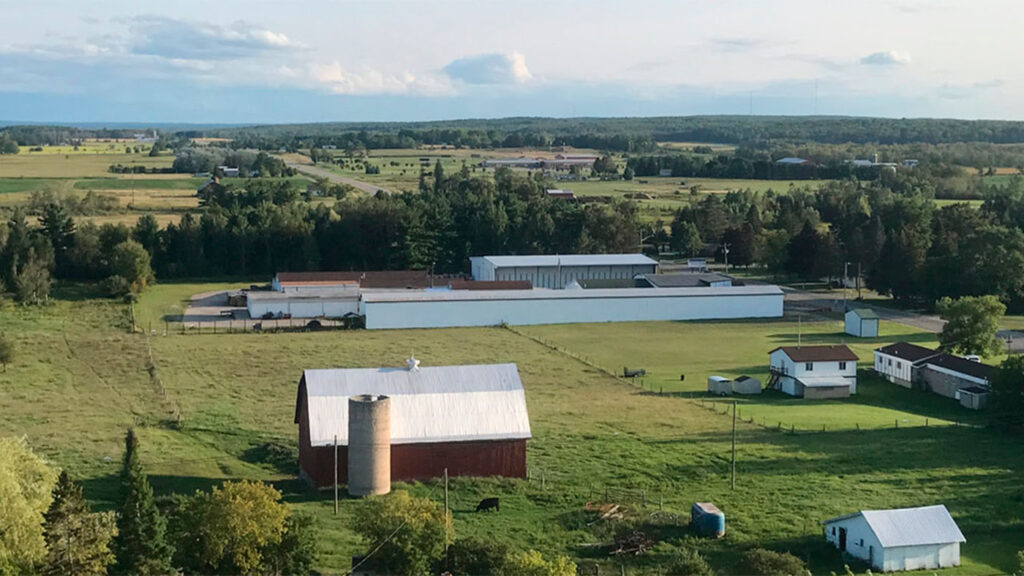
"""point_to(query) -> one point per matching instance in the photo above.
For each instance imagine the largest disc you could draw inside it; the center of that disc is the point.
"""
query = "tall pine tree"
(77, 540)
(140, 545)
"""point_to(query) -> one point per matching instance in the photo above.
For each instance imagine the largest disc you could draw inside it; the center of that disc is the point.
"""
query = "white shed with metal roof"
(558, 271)
(923, 538)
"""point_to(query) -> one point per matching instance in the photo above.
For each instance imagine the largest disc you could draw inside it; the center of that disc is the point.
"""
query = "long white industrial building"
(558, 271)
(416, 309)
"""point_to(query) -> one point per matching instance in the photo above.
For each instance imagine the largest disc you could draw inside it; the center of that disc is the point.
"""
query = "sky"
(256, 61)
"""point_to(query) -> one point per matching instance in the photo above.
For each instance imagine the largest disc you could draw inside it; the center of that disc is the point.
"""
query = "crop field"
(69, 164)
(213, 407)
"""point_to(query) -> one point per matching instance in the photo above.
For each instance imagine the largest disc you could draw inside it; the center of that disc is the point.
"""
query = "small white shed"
(719, 385)
(862, 323)
(924, 538)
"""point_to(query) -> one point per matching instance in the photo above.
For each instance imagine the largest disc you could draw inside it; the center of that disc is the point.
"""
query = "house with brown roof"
(911, 366)
(814, 371)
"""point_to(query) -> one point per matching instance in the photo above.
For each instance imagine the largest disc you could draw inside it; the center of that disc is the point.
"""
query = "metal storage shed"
(899, 539)
(862, 323)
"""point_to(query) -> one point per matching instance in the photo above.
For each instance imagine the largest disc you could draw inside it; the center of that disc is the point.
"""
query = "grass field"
(80, 378)
(73, 164)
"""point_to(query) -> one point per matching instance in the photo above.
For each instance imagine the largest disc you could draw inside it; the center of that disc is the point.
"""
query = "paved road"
(318, 172)
(800, 300)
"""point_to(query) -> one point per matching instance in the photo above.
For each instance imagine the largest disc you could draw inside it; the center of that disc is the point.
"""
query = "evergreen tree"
(77, 540)
(59, 228)
(438, 176)
(140, 547)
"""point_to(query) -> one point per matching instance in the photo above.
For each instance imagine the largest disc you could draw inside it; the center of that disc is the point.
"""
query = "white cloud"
(495, 68)
(886, 58)
(369, 81)
(186, 40)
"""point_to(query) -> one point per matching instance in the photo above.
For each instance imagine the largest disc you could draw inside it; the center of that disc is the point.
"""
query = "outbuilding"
(899, 362)
(337, 302)
(862, 323)
(455, 308)
(924, 538)
(814, 371)
(558, 271)
(470, 420)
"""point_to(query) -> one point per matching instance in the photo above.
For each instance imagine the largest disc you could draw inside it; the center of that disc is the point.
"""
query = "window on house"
(833, 530)
(809, 366)
(899, 365)
(842, 365)
(862, 542)
(890, 361)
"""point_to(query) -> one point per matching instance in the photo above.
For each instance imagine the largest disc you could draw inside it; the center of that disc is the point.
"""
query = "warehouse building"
(925, 538)
(558, 271)
(470, 420)
(336, 302)
(320, 281)
(425, 309)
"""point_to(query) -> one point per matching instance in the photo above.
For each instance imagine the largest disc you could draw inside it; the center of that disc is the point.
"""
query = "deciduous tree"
(408, 534)
(971, 324)
(26, 482)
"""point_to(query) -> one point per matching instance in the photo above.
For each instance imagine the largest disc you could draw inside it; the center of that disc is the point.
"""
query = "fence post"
(643, 497)
(896, 424)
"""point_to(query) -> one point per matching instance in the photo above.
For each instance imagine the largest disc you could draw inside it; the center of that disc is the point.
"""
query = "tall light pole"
(725, 252)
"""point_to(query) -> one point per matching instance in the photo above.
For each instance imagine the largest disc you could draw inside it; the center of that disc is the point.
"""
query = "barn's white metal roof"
(319, 293)
(428, 404)
(910, 526)
(566, 260)
(542, 294)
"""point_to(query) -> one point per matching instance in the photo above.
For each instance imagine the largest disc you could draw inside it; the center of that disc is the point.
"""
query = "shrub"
(761, 562)
(532, 563)
(688, 562)
(474, 556)
(409, 534)
(116, 286)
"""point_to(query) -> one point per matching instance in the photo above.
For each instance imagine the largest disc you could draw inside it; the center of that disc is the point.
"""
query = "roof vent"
(413, 364)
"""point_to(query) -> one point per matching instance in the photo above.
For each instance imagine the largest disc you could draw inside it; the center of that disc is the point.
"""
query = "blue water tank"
(707, 519)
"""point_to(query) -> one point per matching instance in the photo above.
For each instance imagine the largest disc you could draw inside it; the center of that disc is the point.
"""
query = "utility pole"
(446, 492)
(733, 444)
(725, 251)
(846, 274)
(858, 281)
(335, 474)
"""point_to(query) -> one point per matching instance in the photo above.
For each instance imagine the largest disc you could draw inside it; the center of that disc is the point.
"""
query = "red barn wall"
(420, 461)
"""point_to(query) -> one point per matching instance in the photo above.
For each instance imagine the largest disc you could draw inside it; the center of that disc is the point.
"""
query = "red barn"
(471, 420)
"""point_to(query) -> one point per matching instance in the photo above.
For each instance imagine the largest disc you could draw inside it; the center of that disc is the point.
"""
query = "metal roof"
(686, 279)
(865, 313)
(428, 404)
(336, 292)
(910, 526)
(816, 353)
(542, 294)
(964, 366)
(907, 351)
(564, 260)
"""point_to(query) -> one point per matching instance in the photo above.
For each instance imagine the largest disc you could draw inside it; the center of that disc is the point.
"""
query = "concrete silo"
(369, 445)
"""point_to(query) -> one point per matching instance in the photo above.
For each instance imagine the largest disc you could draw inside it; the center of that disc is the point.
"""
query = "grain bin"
(369, 445)
(707, 519)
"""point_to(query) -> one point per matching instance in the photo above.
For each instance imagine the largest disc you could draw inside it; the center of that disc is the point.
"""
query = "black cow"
(488, 504)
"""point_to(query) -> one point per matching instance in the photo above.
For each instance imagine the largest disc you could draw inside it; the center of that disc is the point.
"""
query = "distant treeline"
(687, 166)
(259, 227)
(57, 135)
(627, 134)
(200, 160)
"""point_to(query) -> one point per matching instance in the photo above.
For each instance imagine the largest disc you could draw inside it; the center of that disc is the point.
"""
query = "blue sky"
(267, 62)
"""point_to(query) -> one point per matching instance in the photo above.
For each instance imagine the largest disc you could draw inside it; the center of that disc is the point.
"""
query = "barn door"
(842, 539)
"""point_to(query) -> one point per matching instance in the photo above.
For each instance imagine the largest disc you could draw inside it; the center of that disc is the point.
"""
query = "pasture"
(212, 407)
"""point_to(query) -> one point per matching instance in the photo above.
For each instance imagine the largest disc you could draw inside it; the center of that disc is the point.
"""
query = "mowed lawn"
(669, 351)
(221, 407)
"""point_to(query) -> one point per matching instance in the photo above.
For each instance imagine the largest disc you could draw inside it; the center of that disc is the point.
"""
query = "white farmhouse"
(902, 539)
(814, 371)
